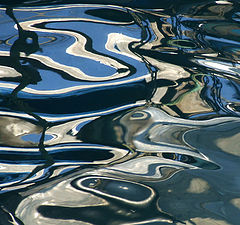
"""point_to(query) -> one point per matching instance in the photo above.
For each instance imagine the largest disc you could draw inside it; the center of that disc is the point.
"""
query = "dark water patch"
(112, 15)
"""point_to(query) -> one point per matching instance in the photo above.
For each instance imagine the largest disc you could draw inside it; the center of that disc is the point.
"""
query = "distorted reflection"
(119, 115)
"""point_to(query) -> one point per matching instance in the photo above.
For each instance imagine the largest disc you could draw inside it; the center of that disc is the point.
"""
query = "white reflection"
(78, 48)
(227, 67)
(119, 43)
(147, 168)
(6, 71)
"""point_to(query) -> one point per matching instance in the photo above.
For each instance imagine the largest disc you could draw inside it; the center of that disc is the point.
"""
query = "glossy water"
(119, 115)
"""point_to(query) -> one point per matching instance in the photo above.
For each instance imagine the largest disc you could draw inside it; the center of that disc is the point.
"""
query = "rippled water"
(120, 114)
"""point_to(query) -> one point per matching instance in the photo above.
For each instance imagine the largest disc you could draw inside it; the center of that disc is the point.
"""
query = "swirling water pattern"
(115, 114)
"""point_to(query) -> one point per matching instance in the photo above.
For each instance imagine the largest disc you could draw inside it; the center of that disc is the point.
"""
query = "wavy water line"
(230, 68)
(91, 190)
(72, 71)
(74, 49)
(140, 167)
(70, 117)
(68, 6)
(80, 87)
(24, 169)
(54, 148)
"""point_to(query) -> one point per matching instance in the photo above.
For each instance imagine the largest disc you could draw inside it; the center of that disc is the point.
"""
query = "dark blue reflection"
(66, 155)
(118, 189)
(11, 177)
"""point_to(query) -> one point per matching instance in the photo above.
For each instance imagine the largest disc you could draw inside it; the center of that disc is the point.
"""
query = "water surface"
(119, 114)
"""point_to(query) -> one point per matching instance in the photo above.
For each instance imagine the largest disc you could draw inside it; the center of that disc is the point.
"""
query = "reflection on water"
(119, 114)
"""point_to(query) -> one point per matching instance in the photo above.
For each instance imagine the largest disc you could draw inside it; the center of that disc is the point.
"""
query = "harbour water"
(121, 113)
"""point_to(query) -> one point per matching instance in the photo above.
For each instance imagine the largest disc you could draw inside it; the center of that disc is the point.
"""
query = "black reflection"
(105, 130)
(79, 155)
(191, 160)
(8, 218)
(109, 14)
(27, 43)
(101, 215)
(89, 101)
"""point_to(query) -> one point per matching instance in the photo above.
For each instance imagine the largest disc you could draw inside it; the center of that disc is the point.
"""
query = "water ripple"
(117, 114)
